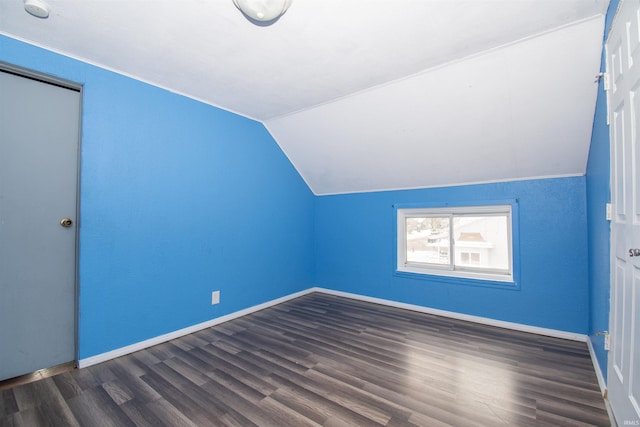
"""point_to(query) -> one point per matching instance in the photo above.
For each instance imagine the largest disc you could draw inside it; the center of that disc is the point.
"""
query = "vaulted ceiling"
(365, 95)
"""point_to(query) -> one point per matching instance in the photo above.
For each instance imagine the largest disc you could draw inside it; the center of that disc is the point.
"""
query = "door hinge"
(605, 80)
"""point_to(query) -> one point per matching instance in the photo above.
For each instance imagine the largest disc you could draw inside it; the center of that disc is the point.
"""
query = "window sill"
(456, 280)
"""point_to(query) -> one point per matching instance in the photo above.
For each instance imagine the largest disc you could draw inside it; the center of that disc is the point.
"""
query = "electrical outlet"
(215, 297)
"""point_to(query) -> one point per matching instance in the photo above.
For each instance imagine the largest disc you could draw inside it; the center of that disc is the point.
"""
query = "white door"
(623, 68)
(39, 134)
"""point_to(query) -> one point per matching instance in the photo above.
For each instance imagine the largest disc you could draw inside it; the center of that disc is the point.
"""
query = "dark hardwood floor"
(329, 361)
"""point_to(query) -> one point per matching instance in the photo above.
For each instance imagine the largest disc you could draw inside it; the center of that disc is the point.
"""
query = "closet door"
(39, 139)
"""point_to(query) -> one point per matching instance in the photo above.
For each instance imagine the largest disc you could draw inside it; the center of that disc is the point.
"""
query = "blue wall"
(597, 197)
(355, 252)
(178, 199)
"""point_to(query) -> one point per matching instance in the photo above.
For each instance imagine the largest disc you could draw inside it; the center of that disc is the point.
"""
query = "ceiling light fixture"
(263, 11)
(37, 8)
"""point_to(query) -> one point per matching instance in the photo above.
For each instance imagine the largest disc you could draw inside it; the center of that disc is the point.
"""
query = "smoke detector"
(37, 8)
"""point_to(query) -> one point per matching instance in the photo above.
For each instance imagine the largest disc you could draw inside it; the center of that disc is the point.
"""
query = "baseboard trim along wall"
(83, 363)
(103, 357)
(596, 366)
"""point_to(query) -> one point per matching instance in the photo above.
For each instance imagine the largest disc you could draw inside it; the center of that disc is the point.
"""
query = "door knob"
(66, 222)
(634, 252)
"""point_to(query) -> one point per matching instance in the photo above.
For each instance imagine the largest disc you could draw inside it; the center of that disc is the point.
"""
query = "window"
(469, 242)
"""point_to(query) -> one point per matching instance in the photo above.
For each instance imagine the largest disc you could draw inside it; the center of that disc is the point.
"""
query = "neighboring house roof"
(471, 237)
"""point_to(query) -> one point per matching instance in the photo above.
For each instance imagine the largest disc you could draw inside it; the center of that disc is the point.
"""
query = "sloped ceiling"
(364, 96)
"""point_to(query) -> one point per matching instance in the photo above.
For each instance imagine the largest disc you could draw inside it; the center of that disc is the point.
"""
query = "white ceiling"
(365, 95)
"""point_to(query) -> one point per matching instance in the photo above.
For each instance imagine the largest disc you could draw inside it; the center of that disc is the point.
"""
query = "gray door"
(39, 135)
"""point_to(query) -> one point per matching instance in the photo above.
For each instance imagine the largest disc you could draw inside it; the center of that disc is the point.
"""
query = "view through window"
(473, 240)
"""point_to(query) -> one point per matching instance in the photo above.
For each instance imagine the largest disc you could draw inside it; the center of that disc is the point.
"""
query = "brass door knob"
(66, 222)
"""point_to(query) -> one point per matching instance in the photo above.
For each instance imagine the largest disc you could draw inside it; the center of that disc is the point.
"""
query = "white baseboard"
(103, 357)
(596, 366)
(460, 316)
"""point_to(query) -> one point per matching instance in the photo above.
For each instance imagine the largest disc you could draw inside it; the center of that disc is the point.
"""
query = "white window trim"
(451, 270)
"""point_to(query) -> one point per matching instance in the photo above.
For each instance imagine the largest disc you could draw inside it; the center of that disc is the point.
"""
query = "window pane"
(481, 242)
(428, 240)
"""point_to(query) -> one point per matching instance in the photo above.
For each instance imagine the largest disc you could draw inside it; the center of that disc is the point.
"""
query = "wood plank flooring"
(321, 360)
